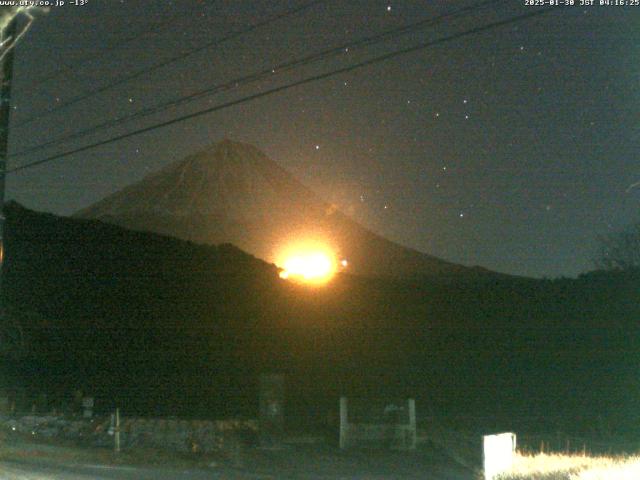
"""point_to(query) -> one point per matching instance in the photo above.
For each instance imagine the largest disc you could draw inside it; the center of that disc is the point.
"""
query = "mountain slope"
(233, 193)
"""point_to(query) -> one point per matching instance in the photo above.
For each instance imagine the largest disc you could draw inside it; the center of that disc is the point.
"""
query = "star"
(317, 147)
(388, 8)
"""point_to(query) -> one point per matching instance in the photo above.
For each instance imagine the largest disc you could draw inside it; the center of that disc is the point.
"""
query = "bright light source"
(344, 263)
(308, 262)
(310, 267)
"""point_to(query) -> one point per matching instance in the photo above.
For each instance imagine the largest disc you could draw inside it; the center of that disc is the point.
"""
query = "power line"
(306, 60)
(37, 83)
(281, 88)
(167, 62)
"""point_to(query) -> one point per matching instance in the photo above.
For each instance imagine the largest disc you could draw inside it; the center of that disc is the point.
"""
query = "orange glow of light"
(310, 263)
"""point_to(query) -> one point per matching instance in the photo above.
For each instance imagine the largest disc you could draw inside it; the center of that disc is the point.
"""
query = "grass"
(573, 467)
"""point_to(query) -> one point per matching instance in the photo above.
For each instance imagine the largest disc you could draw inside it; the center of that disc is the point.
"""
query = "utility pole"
(8, 35)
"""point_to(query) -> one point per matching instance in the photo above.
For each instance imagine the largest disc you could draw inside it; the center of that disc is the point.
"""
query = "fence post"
(117, 431)
(412, 424)
(344, 422)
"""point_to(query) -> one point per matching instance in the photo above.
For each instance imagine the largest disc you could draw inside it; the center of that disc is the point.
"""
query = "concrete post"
(344, 422)
(87, 407)
(411, 408)
(117, 431)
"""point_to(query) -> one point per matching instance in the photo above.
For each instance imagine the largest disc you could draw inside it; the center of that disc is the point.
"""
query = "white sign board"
(499, 453)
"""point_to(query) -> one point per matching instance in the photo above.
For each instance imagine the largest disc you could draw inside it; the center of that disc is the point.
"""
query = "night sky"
(513, 148)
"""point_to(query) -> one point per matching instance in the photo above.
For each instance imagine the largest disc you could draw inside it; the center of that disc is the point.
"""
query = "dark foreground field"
(24, 460)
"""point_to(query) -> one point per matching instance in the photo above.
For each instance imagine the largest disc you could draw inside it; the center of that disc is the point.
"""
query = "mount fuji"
(233, 193)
